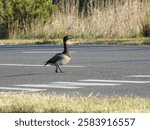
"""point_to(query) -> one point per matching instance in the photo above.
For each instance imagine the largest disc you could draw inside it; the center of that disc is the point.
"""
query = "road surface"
(102, 70)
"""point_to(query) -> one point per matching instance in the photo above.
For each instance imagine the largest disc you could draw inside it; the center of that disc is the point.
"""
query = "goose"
(60, 58)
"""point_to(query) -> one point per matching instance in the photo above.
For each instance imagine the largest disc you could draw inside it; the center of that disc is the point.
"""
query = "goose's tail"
(45, 63)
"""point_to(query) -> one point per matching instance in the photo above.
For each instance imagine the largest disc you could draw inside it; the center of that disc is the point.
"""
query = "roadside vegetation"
(75, 104)
(79, 41)
(86, 20)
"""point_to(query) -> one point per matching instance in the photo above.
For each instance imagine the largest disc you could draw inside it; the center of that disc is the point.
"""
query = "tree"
(19, 15)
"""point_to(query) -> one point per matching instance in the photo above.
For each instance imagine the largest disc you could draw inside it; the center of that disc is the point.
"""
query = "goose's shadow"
(22, 75)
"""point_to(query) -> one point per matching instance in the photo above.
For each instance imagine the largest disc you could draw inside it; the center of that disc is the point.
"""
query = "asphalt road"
(103, 70)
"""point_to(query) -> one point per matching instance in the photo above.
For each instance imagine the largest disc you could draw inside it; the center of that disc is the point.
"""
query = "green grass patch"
(28, 41)
(113, 41)
(75, 104)
(102, 41)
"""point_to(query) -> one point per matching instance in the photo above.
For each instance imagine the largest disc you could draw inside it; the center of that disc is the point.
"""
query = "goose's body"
(61, 58)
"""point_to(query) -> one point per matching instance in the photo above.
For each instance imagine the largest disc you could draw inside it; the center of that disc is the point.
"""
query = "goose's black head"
(66, 38)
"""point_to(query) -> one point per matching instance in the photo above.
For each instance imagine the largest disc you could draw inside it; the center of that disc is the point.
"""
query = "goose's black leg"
(56, 69)
(60, 69)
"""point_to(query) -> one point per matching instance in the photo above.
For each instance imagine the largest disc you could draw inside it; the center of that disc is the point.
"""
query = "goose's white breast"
(64, 60)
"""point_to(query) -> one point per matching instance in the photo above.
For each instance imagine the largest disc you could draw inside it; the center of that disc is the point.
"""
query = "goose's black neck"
(65, 47)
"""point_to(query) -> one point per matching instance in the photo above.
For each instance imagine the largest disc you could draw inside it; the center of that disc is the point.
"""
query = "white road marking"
(22, 89)
(73, 66)
(115, 81)
(34, 65)
(139, 76)
(85, 84)
(42, 52)
(47, 86)
(21, 65)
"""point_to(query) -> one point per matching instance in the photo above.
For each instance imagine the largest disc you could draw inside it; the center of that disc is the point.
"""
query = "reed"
(121, 21)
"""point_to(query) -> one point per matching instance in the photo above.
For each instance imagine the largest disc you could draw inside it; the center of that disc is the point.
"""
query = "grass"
(103, 41)
(125, 24)
(128, 20)
(113, 41)
(28, 41)
(76, 104)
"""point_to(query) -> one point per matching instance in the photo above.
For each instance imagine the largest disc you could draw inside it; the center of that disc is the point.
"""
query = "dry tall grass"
(76, 104)
(127, 20)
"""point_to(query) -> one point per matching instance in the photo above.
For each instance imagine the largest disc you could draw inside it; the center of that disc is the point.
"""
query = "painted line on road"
(85, 84)
(139, 76)
(47, 86)
(115, 81)
(21, 89)
(21, 65)
(32, 65)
